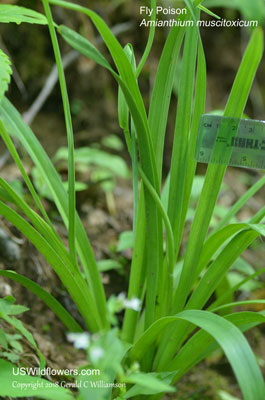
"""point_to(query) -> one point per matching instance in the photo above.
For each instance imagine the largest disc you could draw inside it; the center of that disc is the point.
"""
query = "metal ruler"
(231, 141)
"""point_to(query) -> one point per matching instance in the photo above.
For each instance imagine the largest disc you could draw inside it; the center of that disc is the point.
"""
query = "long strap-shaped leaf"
(126, 72)
(201, 345)
(215, 273)
(230, 339)
(16, 158)
(137, 274)
(227, 294)
(240, 203)
(73, 281)
(140, 347)
(205, 288)
(17, 127)
(215, 173)
(161, 95)
(41, 226)
(182, 130)
(215, 241)
(128, 84)
(183, 164)
(198, 110)
(150, 39)
(47, 298)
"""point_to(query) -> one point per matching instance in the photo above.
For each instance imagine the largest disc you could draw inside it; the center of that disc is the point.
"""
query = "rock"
(9, 250)
(5, 289)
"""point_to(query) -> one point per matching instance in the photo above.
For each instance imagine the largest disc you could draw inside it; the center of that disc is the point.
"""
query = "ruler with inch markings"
(231, 141)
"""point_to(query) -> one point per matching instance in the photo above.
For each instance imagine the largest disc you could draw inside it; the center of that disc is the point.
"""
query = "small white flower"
(80, 340)
(121, 297)
(96, 353)
(134, 304)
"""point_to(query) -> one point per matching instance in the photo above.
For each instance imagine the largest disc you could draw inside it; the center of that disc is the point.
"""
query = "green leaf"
(148, 384)
(209, 12)
(8, 308)
(241, 265)
(17, 324)
(17, 127)
(108, 265)
(214, 276)
(113, 142)
(42, 227)
(234, 278)
(79, 43)
(125, 241)
(238, 303)
(137, 274)
(226, 396)
(201, 344)
(227, 294)
(240, 203)
(163, 85)
(10, 13)
(69, 134)
(43, 189)
(74, 282)
(28, 386)
(5, 71)
(219, 238)
(128, 83)
(10, 356)
(228, 336)
(182, 133)
(90, 157)
(3, 340)
(109, 364)
(251, 11)
(46, 297)
(215, 173)
(150, 39)
(16, 345)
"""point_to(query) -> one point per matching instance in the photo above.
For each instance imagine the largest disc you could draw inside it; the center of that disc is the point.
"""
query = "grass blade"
(212, 184)
(17, 127)
(201, 344)
(137, 273)
(128, 84)
(215, 273)
(229, 338)
(240, 203)
(46, 297)
(9, 144)
(238, 303)
(215, 173)
(162, 90)
(181, 134)
(42, 227)
(198, 110)
(74, 282)
(216, 240)
(149, 41)
(226, 295)
(236, 349)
